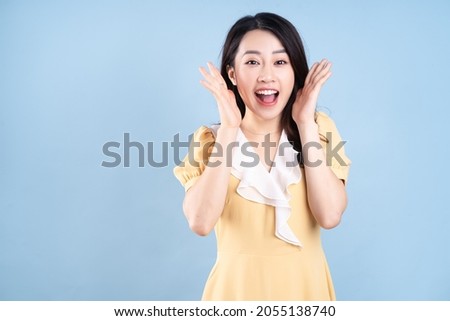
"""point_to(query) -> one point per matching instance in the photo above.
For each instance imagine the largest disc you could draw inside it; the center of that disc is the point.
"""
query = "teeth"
(266, 92)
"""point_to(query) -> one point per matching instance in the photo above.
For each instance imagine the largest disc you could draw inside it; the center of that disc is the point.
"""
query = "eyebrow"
(256, 52)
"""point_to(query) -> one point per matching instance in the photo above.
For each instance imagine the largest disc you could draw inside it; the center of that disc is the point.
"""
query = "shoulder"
(334, 146)
(324, 120)
(204, 134)
(192, 166)
(325, 124)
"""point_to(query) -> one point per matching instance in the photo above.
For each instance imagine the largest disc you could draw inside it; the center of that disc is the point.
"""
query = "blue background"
(75, 75)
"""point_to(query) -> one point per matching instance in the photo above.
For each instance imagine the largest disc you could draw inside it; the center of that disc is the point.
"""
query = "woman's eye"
(252, 62)
(281, 62)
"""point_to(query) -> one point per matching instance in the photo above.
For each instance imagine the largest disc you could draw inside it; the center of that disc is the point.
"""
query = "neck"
(262, 128)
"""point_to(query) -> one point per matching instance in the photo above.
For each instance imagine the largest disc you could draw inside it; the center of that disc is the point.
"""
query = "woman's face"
(263, 74)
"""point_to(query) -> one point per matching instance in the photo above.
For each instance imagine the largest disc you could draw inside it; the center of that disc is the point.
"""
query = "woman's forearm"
(327, 197)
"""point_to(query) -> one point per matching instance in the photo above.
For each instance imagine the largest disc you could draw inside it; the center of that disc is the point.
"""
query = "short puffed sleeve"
(333, 146)
(193, 164)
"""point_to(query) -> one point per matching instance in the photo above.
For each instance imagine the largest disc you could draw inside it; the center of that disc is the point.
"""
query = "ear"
(231, 74)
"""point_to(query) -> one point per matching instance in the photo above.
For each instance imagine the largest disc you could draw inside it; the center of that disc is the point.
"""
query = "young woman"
(271, 174)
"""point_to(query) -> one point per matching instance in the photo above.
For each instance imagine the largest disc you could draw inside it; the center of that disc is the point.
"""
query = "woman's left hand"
(305, 103)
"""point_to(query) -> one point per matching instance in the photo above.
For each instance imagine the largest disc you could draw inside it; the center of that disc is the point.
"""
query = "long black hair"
(292, 43)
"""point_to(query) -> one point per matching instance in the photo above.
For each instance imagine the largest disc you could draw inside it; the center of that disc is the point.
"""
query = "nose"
(266, 74)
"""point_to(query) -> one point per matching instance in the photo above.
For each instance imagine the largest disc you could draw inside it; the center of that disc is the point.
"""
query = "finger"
(317, 86)
(211, 83)
(213, 76)
(324, 62)
(322, 80)
(311, 71)
(212, 89)
(315, 69)
(321, 73)
(219, 92)
(214, 71)
(206, 74)
(320, 66)
(216, 74)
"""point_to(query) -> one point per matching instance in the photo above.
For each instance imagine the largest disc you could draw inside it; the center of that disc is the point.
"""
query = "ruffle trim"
(270, 188)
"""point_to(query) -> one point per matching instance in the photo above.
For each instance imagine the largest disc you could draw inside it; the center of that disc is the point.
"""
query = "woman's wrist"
(226, 135)
(305, 119)
(308, 131)
(309, 124)
(227, 131)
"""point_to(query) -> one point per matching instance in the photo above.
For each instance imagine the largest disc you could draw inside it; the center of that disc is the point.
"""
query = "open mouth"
(267, 96)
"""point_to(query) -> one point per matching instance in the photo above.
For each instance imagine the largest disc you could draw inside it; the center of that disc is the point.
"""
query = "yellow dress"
(253, 261)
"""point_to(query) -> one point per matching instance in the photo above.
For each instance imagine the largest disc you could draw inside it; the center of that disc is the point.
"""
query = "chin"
(268, 112)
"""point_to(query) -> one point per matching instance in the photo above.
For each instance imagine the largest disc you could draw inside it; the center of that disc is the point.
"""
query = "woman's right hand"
(230, 115)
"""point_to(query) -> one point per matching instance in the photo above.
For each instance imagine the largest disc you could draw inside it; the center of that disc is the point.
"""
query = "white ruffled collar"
(270, 188)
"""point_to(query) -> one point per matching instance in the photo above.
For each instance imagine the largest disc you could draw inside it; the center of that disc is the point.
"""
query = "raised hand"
(305, 103)
(230, 116)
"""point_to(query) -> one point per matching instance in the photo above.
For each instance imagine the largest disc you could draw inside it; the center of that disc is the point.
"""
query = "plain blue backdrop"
(76, 75)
